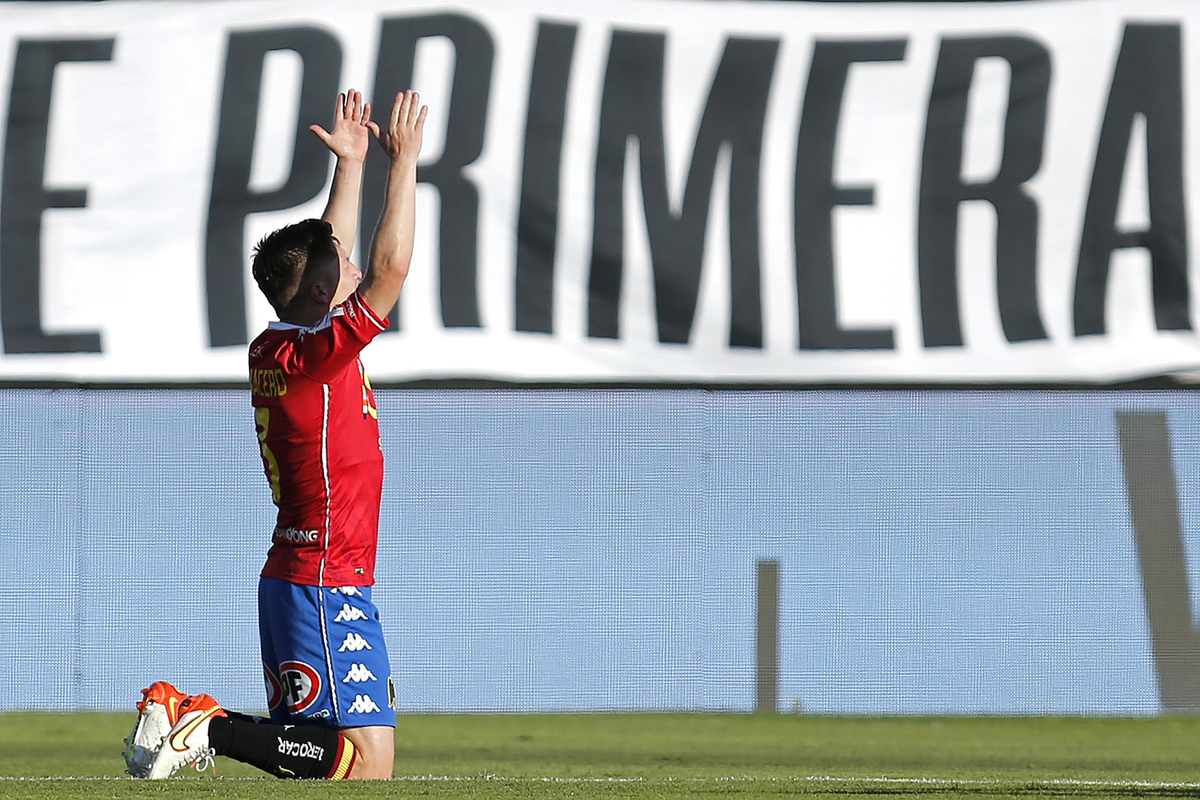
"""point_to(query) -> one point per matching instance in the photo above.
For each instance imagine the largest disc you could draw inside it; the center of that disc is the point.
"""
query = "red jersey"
(318, 432)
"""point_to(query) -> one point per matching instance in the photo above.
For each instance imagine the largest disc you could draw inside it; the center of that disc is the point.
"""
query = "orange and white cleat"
(158, 711)
(187, 741)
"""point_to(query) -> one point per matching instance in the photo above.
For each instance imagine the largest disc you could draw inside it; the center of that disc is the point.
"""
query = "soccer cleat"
(187, 741)
(158, 711)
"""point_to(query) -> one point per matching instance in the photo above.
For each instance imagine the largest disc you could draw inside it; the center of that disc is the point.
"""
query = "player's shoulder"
(277, 346)
(268, 342)
(356, 311)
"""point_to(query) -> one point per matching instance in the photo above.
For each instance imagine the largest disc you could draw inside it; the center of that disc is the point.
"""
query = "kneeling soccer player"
(323, 650)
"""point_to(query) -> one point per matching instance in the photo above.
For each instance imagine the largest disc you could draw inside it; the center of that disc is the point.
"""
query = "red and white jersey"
(318, 432)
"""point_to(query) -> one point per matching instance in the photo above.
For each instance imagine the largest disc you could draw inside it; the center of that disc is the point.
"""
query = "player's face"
(349, 276)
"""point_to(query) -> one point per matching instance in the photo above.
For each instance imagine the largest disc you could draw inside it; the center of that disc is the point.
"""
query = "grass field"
(662, 756)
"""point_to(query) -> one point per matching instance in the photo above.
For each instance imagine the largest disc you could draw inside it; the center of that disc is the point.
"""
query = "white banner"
(668, 190)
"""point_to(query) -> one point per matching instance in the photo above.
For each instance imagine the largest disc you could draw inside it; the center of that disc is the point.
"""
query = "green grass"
(662, 756)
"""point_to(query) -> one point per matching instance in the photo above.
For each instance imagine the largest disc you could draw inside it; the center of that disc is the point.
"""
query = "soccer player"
(328, 679)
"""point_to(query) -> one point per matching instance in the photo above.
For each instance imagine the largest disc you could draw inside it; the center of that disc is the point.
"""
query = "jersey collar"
(323, 322)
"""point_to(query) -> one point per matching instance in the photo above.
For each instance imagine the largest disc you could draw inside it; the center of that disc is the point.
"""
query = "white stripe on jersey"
(325, 476)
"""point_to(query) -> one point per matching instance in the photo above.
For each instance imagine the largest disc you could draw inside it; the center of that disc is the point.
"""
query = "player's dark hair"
(292, 258)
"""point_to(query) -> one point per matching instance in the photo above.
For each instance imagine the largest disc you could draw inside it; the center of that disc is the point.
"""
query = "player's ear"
(319, 293)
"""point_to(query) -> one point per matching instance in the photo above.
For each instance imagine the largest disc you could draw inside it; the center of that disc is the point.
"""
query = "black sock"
(293, 751)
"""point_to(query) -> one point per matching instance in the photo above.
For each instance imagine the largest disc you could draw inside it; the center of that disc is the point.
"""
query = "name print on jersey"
(268, 382)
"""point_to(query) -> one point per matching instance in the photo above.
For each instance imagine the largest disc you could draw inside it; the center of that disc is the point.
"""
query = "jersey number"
(368, 397)
(262, 418)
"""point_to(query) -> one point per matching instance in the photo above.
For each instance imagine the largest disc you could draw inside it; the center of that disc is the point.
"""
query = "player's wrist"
(403, 162)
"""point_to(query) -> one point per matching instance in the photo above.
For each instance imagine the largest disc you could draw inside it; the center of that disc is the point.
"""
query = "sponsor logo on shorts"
(300, 749)
(301, 685)
(296, 536)
(359, 674)
(354, 643)
(362, 705)
(349, 591)
(349, 614)
(274, 690)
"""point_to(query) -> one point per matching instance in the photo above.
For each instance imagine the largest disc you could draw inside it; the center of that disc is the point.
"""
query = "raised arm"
(349, 141)
(392, 245)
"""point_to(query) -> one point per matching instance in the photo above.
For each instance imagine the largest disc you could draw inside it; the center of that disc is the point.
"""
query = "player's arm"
(349, 141)
(392, 244)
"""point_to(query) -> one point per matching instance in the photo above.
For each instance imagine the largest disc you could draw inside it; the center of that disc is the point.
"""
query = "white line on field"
(1031, 783)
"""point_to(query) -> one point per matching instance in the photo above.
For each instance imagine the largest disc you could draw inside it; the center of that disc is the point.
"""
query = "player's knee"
(375, 752)
(372, 764)
(370, 771)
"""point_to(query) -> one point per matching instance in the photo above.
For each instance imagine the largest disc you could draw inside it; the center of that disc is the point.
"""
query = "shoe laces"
(205, 761)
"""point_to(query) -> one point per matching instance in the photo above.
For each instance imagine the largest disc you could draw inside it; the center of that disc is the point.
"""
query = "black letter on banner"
(459, 229)
(816, 195)
(1147, 80)
(24, 195)
(232, 199)
(537, 222)
(632, 106)
(943, 189)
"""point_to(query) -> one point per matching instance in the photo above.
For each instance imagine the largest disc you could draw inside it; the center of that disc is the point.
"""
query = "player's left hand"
(352, 127)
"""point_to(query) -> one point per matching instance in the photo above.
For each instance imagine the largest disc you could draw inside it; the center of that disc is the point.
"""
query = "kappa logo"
(349, 591)
(349, 614)
(362, 705)
(301, 685)
(359, 674)
(354, 643)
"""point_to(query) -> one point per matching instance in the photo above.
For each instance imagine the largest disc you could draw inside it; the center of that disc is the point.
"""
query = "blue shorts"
(324, 657)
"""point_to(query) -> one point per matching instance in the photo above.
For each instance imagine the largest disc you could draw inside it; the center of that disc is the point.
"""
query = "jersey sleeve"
(323, 352)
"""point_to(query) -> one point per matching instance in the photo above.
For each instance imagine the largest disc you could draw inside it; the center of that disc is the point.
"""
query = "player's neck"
(305, 317)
